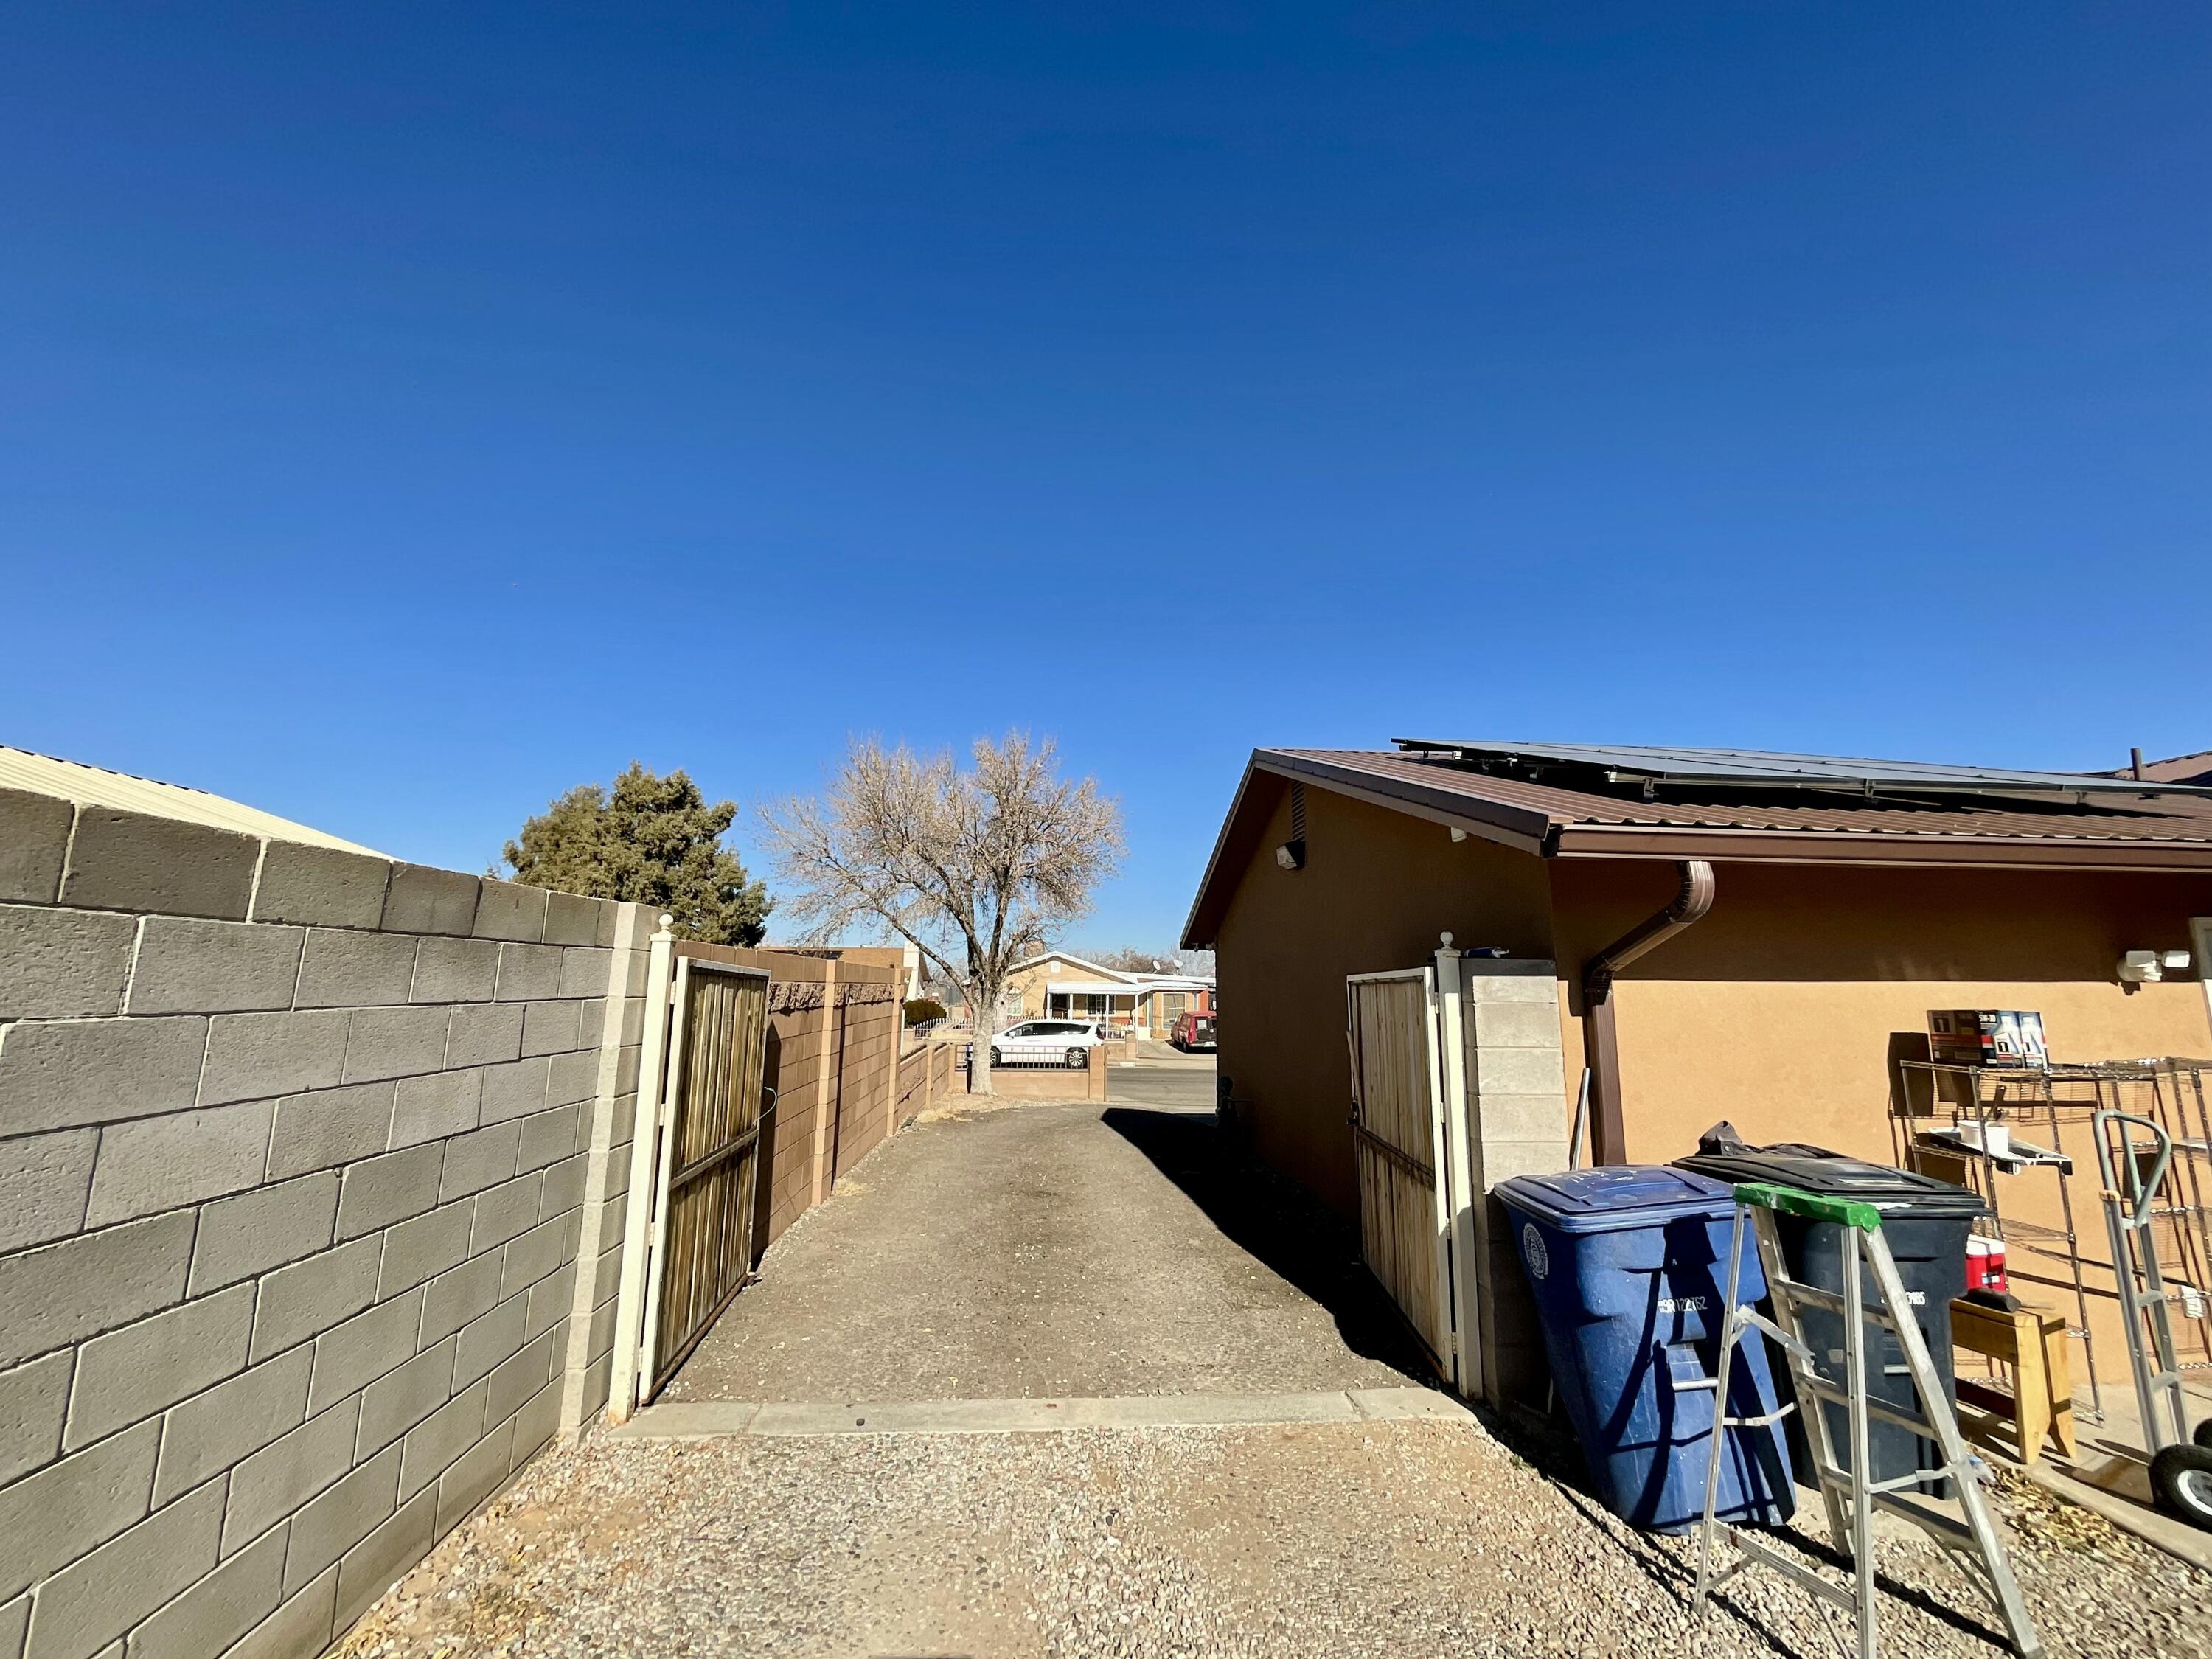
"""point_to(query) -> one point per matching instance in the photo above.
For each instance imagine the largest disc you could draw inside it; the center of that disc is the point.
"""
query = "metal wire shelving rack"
(2043, 1117)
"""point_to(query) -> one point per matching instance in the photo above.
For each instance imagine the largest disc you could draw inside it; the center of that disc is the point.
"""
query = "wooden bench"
(2034, 1343)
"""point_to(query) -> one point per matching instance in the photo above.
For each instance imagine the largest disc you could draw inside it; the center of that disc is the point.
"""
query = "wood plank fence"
(843, 1080)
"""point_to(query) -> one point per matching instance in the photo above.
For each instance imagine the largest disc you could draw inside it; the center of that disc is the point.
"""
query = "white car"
(1047, 1042)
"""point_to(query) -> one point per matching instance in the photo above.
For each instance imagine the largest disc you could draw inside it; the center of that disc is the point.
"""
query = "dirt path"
(1044, 1250)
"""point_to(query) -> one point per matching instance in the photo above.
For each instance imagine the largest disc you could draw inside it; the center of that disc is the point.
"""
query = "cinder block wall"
(312, 1184)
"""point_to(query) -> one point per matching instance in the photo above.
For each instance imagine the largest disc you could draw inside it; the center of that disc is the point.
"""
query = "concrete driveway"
(1040, 1250)
(1161, 1077)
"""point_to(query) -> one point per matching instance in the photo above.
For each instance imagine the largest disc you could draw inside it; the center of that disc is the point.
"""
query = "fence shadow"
(1279, 1223)
(764, 1159)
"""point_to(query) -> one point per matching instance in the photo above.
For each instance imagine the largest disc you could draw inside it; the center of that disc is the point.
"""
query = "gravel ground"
(1393, 1539)
(1042, 1250)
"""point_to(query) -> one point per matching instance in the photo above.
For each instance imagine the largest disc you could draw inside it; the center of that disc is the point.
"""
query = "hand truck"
(2180, 1470)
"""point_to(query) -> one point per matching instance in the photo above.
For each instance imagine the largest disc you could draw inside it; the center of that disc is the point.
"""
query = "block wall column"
(1517, 1121)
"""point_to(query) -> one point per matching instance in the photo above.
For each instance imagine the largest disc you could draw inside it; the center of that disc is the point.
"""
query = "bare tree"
(1134, 959)
(972, 868)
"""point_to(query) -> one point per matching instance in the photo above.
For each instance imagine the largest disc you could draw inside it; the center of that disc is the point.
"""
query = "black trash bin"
(1926, 1222)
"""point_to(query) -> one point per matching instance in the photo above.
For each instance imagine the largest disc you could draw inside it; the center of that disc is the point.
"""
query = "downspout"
(1608, 1133)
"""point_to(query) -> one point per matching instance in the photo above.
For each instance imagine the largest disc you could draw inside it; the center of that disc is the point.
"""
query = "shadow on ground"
(1279, 1223)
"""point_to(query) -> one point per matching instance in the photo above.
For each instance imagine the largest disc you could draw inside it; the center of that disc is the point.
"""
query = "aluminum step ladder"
(1851, 1497)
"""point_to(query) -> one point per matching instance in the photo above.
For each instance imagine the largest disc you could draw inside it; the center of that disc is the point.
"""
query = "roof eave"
(1889, 847)
(1522, 829)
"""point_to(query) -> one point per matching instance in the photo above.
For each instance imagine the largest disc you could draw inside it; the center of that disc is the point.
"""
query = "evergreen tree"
(650, 840)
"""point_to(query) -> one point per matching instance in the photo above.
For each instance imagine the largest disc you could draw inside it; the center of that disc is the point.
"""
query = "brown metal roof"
(2178, 768)
(2150, 818)
(2153, 831)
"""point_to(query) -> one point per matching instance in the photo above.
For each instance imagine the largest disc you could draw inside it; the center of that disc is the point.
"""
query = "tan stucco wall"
(1378, 887)
(1780, 1012)
(1782, 1009)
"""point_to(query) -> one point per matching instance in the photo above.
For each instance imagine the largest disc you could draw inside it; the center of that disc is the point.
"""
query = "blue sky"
(407, 412)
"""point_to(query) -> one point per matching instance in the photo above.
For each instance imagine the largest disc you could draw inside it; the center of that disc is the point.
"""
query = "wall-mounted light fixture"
(1291, 855)
(2149, 967)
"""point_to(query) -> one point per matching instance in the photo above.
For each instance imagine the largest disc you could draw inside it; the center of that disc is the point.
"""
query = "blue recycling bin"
(1629, 1269)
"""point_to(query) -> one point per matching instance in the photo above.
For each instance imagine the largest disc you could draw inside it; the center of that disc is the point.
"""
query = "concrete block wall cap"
(35, 831)
(572, 919)
(508, 910)
(123, 861)
(423, 899)
(324, 885)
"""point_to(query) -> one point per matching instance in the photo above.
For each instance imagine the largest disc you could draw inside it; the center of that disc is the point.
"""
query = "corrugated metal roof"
(95, 786)
(1753, 767)
(2125, 815)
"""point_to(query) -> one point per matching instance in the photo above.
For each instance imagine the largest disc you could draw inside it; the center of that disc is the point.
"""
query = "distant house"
(1059, 983)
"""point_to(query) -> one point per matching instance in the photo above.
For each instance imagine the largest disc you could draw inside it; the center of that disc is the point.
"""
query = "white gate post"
(1456, 1174)
(652, 1107)
(1440, 1159)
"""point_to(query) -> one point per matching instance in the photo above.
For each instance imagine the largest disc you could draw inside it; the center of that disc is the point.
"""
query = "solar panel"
(1757, 768)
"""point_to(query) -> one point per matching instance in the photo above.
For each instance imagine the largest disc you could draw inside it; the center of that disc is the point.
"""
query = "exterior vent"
(1291, 855)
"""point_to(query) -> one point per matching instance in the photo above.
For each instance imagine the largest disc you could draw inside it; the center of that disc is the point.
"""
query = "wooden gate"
(706, 1168)
(1397, 1132)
